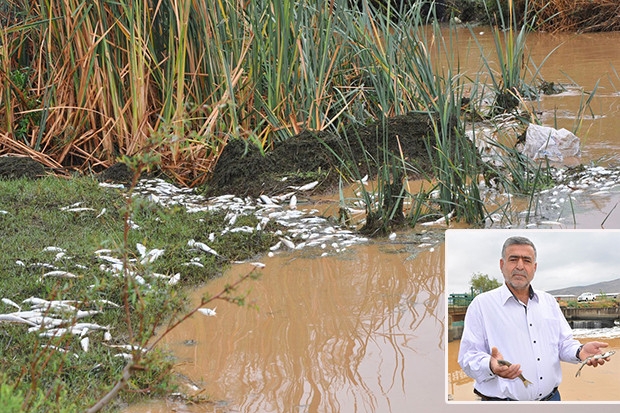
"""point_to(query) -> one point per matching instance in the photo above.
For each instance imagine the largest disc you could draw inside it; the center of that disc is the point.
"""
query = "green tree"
(482, 282)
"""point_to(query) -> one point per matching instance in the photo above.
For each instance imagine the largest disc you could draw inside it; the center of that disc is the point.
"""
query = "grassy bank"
(65, 241)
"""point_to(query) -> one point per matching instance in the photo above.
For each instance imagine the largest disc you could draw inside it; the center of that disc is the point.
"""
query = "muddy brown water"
(363, 331)
(331, 334)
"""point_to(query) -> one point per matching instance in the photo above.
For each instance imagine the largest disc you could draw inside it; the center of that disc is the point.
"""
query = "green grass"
(34, 220)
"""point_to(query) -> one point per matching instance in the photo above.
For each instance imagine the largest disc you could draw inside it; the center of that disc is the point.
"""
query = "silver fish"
(60, 274)
(595, 357)
(525, 381)
(8, 301)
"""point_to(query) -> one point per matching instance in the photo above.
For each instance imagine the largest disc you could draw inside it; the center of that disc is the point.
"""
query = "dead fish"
(84, 343)
(12, 303)
(207, 311)
(151, 256)
(9, 318)
(107, 302)
(60, 274)
(55, 332)
(233, 219)
(174, 280)
(128, 347)
(289, 244)
(306, 187)
(78, 209)
(525, 381)
(202, 247)
(77, 204)
(45, 322)
(266, 200)
(35, 301)
(595, 357)
(54, 249)
(27, 314)
(91, 326)
(83, 314)
(141, 249)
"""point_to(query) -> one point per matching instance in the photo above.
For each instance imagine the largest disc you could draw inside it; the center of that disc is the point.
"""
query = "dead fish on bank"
(59, 274)
(305, 187)
(595, 357)
(525, 381)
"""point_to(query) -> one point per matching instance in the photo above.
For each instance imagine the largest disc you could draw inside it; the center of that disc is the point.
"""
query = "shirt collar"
(506, 294)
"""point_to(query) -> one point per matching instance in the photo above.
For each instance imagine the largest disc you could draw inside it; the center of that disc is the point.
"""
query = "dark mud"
(16, 167)
(243, 170)
(117, 173)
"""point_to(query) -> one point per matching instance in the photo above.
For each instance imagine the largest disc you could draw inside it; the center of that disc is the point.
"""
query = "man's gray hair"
(518, 241)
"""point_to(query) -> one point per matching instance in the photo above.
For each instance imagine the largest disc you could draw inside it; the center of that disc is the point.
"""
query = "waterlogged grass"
(34, 217)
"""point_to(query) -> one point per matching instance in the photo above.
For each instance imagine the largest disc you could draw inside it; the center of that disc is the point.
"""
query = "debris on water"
(543, 142)
(554, 207)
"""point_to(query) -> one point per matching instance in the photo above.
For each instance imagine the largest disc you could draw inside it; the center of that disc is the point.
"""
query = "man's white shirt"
(536, 336)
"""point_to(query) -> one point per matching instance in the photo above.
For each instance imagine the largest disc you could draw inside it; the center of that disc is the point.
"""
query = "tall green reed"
(440, 88)
(399, 74)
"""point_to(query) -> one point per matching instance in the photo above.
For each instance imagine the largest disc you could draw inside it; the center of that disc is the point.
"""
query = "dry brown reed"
(83, 84)
(577, 15)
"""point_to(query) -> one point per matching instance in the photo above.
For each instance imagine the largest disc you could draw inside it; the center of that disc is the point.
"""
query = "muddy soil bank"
(243, 170)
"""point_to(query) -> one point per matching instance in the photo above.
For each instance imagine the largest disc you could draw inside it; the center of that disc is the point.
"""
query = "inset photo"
(532, 316)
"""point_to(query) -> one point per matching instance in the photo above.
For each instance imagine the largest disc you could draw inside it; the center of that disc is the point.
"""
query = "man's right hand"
(506, 372)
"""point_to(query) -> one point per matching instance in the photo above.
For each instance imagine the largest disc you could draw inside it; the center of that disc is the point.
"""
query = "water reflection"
(345, 333)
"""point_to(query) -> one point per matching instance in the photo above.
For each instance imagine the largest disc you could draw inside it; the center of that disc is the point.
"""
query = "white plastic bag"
(545, 142)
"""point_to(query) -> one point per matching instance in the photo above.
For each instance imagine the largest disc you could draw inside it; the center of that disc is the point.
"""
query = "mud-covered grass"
(242, 168)
(34, 216)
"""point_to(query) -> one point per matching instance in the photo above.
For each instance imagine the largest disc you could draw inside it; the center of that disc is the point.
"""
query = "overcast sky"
(566, 258)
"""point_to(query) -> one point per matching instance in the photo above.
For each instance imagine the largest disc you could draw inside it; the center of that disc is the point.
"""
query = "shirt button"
(534, 341)
(538, 359)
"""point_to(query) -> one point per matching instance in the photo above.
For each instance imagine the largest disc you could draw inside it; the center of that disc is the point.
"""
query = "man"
(521, 325)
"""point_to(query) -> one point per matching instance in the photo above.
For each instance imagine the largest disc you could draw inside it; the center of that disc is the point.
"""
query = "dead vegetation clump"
(577, 15)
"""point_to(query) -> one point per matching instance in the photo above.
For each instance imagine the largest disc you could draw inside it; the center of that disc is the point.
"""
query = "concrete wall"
(612, 313)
